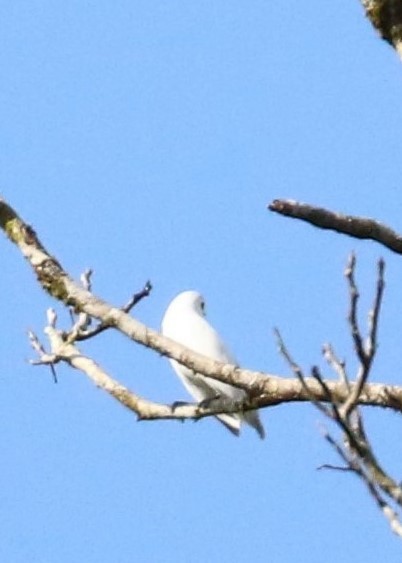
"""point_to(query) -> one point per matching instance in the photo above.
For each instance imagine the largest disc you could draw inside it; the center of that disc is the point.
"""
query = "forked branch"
(355, 449)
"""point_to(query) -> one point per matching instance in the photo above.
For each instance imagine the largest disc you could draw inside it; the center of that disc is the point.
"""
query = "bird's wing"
(199, 388)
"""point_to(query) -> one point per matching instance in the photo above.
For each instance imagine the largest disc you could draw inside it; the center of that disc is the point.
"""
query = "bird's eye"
(202, 306)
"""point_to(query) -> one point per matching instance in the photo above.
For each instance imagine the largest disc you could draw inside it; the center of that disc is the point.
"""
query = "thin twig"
(353, 465)
(374, 314)
(137, 297)
(299, 373)
(365, 353)
(46, 359)
(102, 326)
(352, 316)
(333, 412)
(336, 364)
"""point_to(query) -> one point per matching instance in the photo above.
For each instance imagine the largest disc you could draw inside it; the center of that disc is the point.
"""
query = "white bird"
(184, 321)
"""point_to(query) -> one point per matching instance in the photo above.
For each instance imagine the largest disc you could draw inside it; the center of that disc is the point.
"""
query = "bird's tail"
(231, 421)
(252, 418)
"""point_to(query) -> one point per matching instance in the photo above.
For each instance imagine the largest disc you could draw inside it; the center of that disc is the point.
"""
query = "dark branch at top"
(358, 227)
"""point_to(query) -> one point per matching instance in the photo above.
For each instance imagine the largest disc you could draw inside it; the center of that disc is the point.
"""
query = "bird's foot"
(177, 404)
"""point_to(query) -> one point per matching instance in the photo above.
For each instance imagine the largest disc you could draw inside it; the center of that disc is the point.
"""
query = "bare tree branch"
(337, 400)
(358, 227)
(264, 389)
(63, 349)
(356, 451)
(365, 353)
(59, 285)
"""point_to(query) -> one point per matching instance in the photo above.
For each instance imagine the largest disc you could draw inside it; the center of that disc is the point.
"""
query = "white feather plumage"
(184, 321)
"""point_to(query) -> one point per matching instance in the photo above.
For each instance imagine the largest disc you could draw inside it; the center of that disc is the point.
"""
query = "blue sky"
(144, 140)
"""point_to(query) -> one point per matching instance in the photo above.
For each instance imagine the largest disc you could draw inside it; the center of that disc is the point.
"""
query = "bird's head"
(189, 300)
